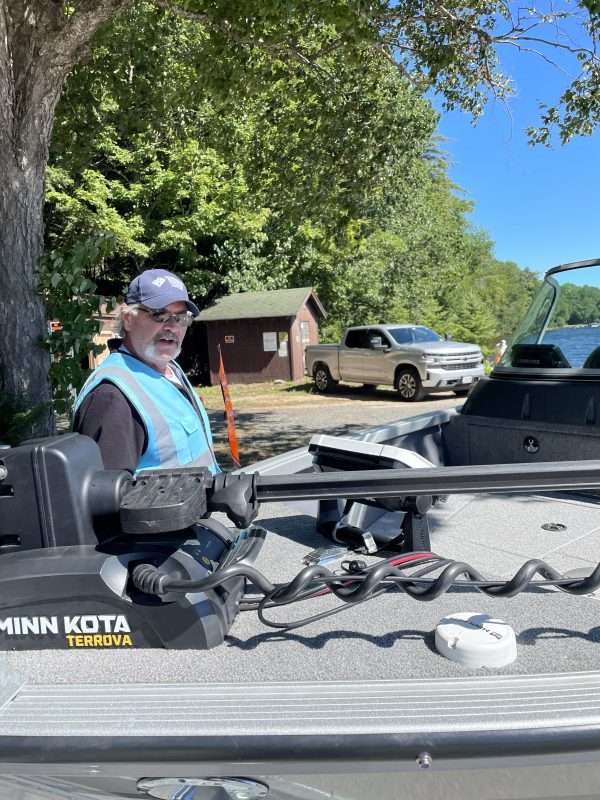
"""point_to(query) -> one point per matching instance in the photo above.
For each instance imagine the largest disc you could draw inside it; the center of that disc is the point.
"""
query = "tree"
(238, 192)
(451, 47)
(39, 44)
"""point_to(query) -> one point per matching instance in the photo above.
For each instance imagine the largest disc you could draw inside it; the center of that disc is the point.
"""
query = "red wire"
(413, 557)
(407, 559)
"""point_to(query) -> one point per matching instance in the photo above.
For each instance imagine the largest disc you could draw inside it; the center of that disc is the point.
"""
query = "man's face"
(154, 342)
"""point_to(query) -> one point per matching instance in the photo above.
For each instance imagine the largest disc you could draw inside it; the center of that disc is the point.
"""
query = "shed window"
(304, 333)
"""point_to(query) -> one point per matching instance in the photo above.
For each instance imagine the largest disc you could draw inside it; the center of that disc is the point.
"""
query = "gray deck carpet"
(390, 636)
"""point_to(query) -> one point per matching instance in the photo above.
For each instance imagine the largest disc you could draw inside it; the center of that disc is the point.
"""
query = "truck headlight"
(432, 359)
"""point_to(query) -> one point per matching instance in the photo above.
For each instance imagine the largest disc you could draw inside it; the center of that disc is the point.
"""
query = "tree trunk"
(29, 91)
(40, 41)
(23, 363)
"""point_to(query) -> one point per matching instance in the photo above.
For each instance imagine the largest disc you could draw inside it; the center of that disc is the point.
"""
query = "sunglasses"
(160, 316)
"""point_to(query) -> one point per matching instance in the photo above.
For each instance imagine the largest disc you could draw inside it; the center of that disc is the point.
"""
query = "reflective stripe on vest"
(178, 432)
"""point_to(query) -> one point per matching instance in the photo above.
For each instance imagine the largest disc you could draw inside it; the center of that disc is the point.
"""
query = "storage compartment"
(507, 420)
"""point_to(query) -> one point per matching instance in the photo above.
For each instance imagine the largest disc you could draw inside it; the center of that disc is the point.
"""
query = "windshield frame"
(505, 368)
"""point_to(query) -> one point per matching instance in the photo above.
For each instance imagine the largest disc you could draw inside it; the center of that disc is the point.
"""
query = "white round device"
(476, 640)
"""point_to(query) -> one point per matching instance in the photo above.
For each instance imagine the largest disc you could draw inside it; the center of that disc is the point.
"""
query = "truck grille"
(462, 365)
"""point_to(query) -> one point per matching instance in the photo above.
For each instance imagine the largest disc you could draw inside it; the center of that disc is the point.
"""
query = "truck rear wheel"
(409, 386)
(322, 378)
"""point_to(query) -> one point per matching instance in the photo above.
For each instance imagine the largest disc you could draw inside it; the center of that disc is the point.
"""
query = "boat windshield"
(418, 333)
(561, 330)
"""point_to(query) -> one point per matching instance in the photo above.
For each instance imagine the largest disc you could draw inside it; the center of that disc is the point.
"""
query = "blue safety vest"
(178, 432)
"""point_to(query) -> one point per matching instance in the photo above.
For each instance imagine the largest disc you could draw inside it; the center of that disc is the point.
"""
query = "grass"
(245, 394)
(260, 396)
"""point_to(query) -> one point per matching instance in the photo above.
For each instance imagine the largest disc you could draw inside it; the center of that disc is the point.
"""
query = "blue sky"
(540, 206)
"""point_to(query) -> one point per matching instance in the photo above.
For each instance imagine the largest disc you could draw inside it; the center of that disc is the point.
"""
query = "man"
(500, 350)
(138, 405)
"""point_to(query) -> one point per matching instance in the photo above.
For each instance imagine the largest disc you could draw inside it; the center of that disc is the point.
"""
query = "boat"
(362, 703)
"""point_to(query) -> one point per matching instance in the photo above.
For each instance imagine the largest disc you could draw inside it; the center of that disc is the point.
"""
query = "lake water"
(575, 343)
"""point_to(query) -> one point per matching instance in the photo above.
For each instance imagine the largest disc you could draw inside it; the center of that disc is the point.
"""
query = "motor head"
(55, 492)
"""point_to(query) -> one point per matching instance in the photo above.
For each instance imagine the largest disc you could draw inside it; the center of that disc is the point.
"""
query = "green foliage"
(19, 422)
(245, 169)
(72, 302)
(235, 189)
(577, 305)
(429, 267)
(469, 294)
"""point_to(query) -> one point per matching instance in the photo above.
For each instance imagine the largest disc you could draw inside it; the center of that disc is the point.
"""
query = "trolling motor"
(71, 534)
(96, 558)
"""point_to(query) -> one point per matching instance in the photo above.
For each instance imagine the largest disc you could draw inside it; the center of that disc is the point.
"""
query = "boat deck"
(390, 637)
(317, 699)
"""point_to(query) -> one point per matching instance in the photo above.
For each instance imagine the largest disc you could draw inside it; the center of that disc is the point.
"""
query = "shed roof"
(252, 305)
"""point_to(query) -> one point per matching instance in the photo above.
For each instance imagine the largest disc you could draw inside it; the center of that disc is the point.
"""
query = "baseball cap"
(157, 288)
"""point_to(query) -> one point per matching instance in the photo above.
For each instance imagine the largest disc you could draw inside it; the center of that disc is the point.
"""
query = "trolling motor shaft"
(187, 495)
(240, 495)
(382, 484)
(55, 491)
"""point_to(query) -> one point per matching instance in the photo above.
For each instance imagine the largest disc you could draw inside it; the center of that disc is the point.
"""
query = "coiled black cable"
(356, 587)
(150, 580)
(271, 601)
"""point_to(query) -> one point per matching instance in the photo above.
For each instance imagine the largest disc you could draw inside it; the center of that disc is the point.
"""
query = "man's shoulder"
(105, 395)
(107, 388)
(105, 404)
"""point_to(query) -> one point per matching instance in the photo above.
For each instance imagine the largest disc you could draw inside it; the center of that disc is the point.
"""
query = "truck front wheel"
(322, 378)
(409, 386)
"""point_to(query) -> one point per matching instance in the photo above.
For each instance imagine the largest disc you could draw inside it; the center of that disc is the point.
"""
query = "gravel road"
(265, 432)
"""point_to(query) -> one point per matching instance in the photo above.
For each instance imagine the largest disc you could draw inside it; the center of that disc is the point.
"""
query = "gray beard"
(150, 353)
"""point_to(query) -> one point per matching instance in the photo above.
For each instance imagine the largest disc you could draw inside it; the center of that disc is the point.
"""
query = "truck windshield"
(423, 334)
(417, 333)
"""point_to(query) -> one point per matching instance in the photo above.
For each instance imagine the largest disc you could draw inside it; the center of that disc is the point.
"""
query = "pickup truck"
(412, 358)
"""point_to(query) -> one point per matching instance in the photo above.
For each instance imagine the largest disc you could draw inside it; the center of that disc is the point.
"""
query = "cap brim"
(193, 308)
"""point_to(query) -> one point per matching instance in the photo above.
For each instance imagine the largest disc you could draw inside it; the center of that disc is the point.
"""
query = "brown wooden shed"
(262, 334)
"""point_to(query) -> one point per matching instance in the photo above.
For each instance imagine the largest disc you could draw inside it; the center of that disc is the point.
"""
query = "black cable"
(150, 580)
(290, 626)
(269, 602)
(252, 602)
(321, 587)
(357, 587)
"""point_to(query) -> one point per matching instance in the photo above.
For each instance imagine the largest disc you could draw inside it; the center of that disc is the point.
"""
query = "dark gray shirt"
(107, 417)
